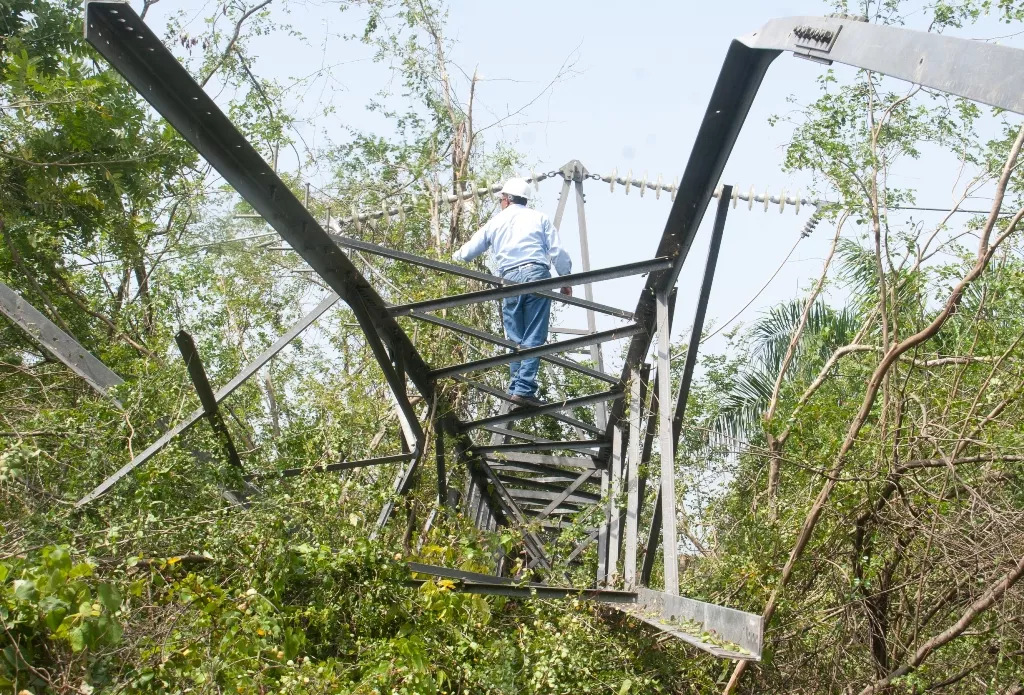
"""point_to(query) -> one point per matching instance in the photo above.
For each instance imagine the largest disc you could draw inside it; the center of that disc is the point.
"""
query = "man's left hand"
(567, 291)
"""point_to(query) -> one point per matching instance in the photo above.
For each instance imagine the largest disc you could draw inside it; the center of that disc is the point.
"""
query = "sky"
(639, 81)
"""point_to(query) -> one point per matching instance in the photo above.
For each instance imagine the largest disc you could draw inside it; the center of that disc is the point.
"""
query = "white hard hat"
(518, 188)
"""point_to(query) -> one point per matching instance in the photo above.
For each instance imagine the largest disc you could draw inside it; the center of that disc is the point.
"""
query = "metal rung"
(539, 351)
(547, 409)
(330, 467)
(517, 434)
(473, 274)
(584, 462)
(581, 445)
(534, 484)
(568, 476)
(498, 393)
(549, 495)
(533, 287)
(488, 337)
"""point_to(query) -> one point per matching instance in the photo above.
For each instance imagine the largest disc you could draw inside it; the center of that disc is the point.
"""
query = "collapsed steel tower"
(517, 479)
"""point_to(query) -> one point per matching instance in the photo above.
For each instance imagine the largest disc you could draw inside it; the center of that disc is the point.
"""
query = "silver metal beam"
(546, 409)
(506, 397)
(636, 434)
(329, 467)
(545, 459)
(667, 449)
(462, 271)
(615, 473)
(57, 342)
(687, 618)
(490, 338)
(580, 445)
(532, 287)
(539, 351)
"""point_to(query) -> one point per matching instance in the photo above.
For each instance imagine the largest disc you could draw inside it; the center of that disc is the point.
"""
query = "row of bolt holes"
(123, 21)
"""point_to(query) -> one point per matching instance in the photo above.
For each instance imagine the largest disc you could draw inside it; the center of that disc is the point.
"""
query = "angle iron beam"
(535, 484)
(539, 351)
(329, 467)
(546, 409)
(470, 274)
(505, 396)
(697, 331)
(566, 494)
(667, 449)
(525, 436)
(208, 399)
(545, 460)
(637, 393)
(521, 288)
(58, 343)
(464, 575)
(739, 627)
(495, 340)
(586, 445)
(979, 71)
(542, 592)
(223, 393)
(568, 476)
(547, 495)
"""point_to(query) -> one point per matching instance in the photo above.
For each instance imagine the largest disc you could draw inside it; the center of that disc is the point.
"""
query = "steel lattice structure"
(522, 483)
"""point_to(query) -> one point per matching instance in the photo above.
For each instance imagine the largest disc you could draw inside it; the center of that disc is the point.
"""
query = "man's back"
(515, 236)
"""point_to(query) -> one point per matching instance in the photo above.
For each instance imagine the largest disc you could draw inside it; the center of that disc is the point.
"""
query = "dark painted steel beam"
(567, 476)
(329, 467)
(117, 32)
(546, 409)
(505, 396)
(547, 349)
(223, 393)
(462, 271)
(488, 337)
(197, 373)
(546, 460)
(58, 343)
(534, 484)
(543, 592)
(525, 436)
(580, 445)
(567, 494)
(517, 289)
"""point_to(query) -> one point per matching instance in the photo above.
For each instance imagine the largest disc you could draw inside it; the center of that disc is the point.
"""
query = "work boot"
(525, 401)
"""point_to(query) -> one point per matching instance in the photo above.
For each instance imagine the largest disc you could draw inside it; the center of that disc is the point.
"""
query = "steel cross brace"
(546, 409)
(58, 343)
(470, 274)
(207, 397)
(223, 393)
(539, 351)
(505, 396)
(490, 338)
(520, 288)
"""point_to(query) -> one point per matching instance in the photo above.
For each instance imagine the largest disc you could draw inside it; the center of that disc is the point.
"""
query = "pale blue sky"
(643, 76)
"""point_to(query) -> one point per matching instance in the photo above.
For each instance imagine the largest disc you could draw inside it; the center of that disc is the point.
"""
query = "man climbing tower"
(524, 244)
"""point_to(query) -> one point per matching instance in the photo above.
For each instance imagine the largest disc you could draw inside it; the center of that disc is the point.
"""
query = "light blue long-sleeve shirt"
(515, 236)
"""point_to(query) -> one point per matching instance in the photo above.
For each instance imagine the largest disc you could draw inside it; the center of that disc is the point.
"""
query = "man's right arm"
(477, 244)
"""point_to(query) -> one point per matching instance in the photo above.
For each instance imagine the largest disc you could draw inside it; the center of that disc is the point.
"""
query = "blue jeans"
(526, 324)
